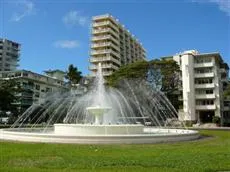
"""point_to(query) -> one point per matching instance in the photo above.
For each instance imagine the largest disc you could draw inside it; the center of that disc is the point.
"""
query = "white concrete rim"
(146, 138)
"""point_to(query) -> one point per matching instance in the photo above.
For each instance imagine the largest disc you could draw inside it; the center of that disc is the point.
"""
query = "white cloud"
(66, 44)
(223, 5)
(73, 18)
(27, 8)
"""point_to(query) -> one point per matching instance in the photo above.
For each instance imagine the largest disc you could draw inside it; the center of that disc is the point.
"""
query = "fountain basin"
(150, 135)
(94, 129)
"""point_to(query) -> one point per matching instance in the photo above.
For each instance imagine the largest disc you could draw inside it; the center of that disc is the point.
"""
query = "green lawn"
(209, 154)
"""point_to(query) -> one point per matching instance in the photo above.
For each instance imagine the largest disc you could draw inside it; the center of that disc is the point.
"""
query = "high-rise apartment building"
(112, 45)
(203, 80)
(9, 55)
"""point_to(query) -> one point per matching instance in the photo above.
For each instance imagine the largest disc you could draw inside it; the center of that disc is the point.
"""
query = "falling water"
(133, 102)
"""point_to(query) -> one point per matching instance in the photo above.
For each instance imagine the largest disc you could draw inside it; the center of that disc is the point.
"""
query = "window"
(37, 87)
(205, 102)
(203, 70)
(48, 89)
(203, 81)
(37, 95)
(25, 74)
(209, 91)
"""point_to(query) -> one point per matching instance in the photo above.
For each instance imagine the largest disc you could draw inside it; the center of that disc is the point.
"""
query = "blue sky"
(55, 34)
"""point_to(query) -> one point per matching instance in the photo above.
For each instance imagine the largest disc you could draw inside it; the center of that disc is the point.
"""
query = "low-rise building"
(204, 76)
(34, 87)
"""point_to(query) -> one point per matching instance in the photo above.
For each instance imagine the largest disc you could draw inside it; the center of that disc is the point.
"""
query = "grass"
(209, 154)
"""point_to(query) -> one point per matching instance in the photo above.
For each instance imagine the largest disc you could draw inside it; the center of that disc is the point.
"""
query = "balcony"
(104, 23)
(104, 73)
(223, 70)
(101, 17)
(100, 45)
(105, 37)
(107, 30)
(180, 98)
(96, 45)
(96, 24)
(205, 64)
(103, 66)
(107, 73)
(103, 59)
(205, 107)
(212, 85)
(225, 79)
(226, 108)
(205, 96)
(97, 38)
(204, 75)
(98, 52)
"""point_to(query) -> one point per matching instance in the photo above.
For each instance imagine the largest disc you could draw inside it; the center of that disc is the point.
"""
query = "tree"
(134, 70)
(227, 92)
(73, 75)
(162, 75)
(8, 90)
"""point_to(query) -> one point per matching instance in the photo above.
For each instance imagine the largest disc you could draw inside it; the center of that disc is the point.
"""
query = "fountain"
(101, 116)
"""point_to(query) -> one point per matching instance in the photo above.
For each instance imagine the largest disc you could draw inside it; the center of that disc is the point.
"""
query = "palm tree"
(73, 75)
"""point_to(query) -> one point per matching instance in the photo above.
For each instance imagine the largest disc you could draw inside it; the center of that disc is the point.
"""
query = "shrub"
(216, 119)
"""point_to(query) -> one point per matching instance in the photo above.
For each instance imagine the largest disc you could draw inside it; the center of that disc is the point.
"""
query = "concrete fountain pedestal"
(97, 128)
(89, 130)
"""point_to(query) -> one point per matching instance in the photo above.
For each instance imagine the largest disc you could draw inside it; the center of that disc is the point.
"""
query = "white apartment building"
(112, 45)
(203, 77)
(9, 55)
(35, 87)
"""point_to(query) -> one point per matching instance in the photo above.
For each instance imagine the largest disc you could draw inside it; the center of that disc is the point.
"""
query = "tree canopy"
(8, 89)
(73, 74)
(162, 75)
(227, 92)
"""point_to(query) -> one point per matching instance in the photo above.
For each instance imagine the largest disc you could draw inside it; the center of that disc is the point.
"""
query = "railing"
(104, 30)
(101, 59)
(105, 73)
(101, 44)
(204, 75)
(99, 38)
(211, 85)
(205, 96)
(101, 17)
(204, 64)
(205, 107)
(95, 67)
(100, 23)
(96, 52)
(222, 70)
